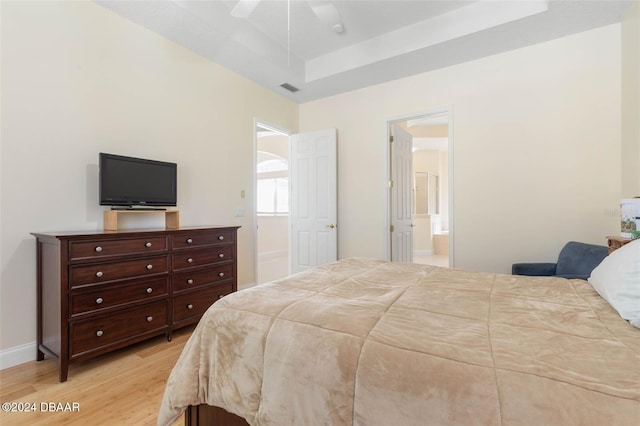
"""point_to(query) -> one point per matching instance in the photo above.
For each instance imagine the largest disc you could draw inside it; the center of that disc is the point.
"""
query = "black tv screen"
(136, 182)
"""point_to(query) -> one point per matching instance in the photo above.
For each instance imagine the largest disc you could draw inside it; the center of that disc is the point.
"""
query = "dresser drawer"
(96, 333)
(105, 248)
(202, 238)
(192, 305)
(202, 257)
(193, 279)
(103, 297)
(104, 272)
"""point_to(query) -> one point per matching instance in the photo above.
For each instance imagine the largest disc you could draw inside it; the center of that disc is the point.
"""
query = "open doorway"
(429, 186)
(295, 200)
(272, 203)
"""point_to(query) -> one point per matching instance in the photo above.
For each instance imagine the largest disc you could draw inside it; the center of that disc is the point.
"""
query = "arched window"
(276, 165)
(273, 185)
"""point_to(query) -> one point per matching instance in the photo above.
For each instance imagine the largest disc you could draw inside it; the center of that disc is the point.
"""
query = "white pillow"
(617, 280)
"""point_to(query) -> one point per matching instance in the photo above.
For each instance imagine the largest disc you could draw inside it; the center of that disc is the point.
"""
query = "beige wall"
(77, 80)
(631, 102)
(536, 150)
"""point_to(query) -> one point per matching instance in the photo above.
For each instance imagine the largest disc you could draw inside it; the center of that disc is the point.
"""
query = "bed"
(369, 342)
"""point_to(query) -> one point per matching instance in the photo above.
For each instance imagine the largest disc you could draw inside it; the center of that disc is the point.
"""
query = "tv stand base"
(110, 219)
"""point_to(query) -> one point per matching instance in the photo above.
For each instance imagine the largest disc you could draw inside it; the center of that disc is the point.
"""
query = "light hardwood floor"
(121, 388)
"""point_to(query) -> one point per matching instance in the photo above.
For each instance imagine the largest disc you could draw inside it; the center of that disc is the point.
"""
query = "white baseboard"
(17, 355)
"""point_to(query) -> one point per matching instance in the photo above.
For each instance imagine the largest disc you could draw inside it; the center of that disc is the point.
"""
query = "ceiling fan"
(323, 9)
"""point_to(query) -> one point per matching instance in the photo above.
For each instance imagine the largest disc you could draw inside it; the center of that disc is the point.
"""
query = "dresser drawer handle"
(99, 300)
(99, 274)
(98, 249)
(99, 333)
(149, 318)
(221, 255)
(149, 290)
(147, 244)
(189, 260)
(190, 281)
(189, 306)
(149, 266)
(189, 241)
(221, 237)
(221, 274)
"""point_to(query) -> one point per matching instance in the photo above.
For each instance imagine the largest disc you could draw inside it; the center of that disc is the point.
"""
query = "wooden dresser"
(101, 291)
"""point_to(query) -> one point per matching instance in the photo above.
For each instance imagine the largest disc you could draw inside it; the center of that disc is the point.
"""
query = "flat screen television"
(128, 182)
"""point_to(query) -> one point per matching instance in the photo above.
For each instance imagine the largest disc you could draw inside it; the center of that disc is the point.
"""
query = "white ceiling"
(283, 41)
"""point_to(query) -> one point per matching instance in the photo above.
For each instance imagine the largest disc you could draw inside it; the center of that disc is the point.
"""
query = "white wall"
(537, 145)
(77, 80)
(273, 235)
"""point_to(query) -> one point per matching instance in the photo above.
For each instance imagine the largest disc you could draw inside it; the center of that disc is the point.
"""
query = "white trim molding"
(17, 355)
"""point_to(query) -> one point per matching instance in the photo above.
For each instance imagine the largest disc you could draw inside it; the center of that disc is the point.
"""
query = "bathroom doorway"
(431, 189)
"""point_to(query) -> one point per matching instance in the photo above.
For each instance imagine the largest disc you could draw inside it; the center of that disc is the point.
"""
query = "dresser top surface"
(128, 232)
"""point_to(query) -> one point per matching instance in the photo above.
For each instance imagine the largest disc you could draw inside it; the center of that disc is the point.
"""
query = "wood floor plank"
(121, 388)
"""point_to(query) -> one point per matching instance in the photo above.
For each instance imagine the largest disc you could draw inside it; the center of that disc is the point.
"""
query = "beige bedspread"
(374, 343)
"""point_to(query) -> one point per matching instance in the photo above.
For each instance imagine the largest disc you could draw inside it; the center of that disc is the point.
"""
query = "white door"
(313, 201)
(401, 186)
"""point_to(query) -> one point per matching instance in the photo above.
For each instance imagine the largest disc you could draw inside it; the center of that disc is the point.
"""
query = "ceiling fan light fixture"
(327, 13)
(338, 28)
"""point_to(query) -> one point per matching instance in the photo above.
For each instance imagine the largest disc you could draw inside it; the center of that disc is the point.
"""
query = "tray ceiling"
(287, 41)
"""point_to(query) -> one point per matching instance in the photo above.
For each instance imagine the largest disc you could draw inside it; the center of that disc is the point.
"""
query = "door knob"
(331, 226)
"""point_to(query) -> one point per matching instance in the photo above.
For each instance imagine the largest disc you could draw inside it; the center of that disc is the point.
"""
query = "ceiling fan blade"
(327, 14)
(244, 8)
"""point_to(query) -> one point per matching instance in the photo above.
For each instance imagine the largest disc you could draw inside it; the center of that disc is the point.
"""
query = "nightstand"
(615, 243)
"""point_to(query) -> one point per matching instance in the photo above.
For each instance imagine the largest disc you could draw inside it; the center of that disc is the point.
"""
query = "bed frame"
(207, 415)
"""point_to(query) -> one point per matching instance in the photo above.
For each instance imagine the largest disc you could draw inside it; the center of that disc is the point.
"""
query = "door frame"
(269, 126)
(387, 177)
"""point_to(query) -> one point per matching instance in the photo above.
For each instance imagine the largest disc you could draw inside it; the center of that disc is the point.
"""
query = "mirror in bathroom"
(426, 193)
